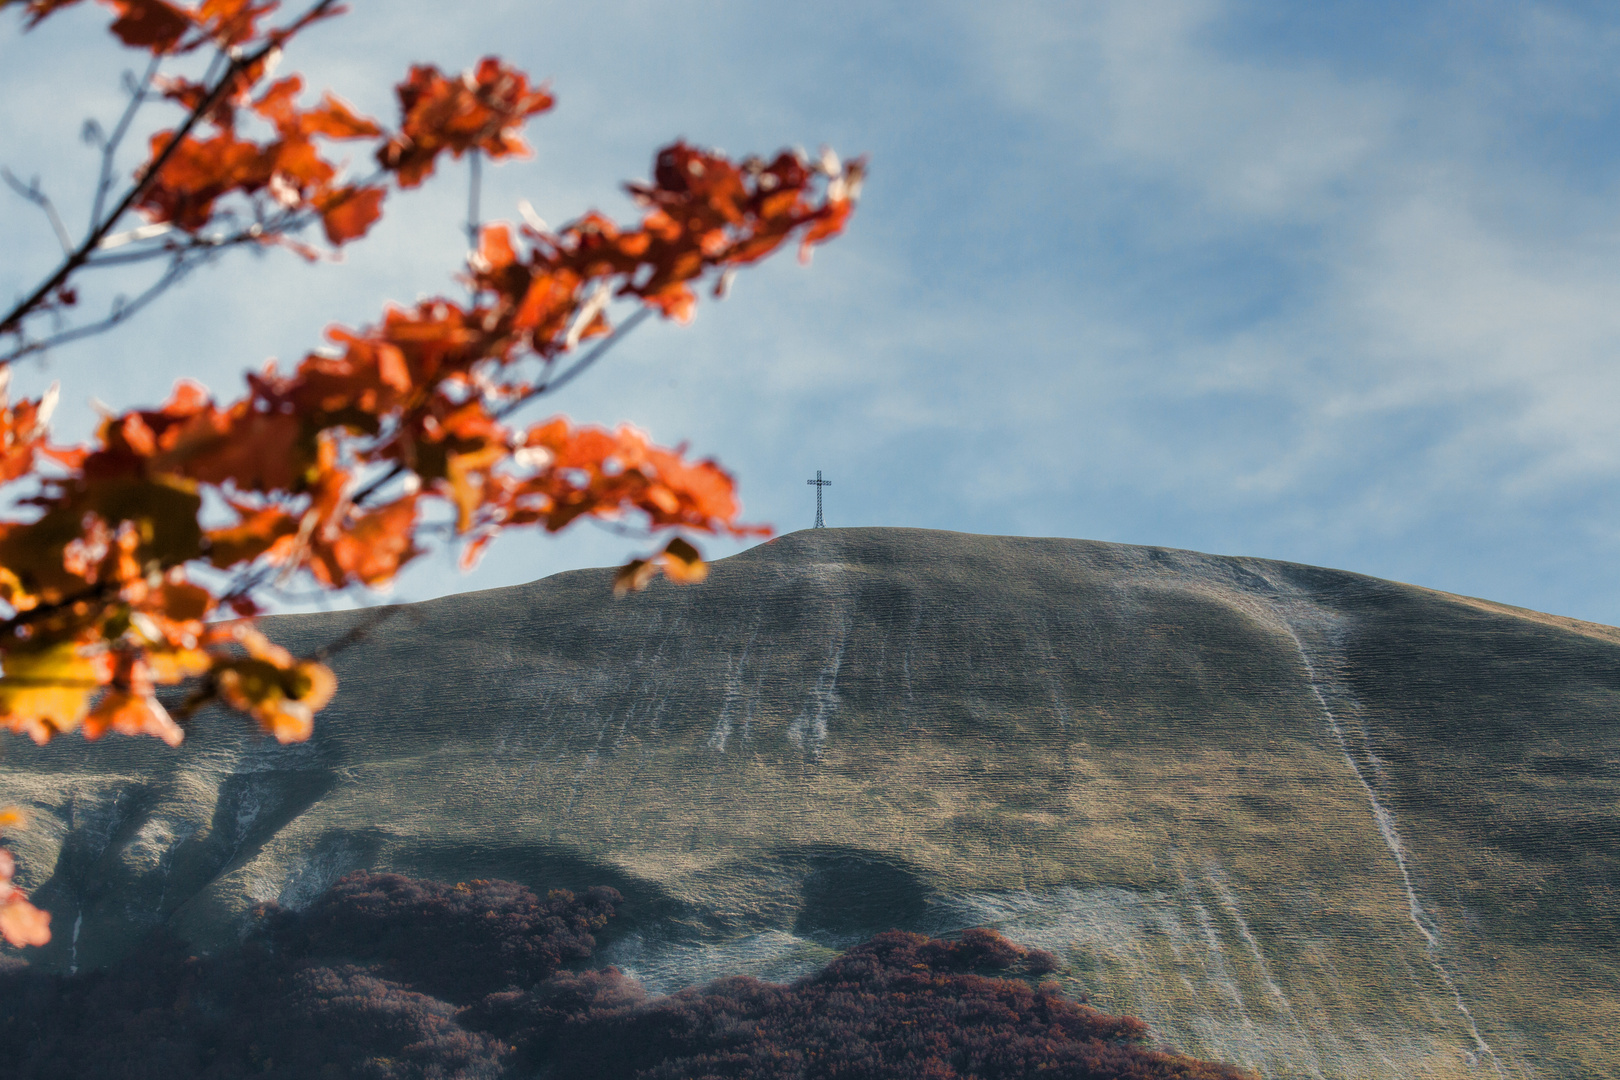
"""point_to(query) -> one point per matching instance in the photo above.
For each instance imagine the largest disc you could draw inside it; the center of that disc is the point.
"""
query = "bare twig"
(191, 252)
(12, 322)
(376, 485)
(122, 309)
(31, 191)
(573, 371)
(109, 147)
(475, 184)
(359, 632)
(618, 528)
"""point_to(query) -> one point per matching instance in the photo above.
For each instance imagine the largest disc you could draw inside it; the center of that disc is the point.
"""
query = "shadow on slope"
(388, 977)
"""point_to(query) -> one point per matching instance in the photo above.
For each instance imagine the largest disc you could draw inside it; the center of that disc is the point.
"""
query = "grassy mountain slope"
(1306, 821)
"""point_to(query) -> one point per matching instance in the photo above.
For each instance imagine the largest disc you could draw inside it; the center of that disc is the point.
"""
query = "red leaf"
(336, 120)
(479, 111)
(150, 24)
(349, 213)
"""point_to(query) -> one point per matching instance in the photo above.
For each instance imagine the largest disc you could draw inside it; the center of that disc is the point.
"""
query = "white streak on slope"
(1385, 821)
(808, 731)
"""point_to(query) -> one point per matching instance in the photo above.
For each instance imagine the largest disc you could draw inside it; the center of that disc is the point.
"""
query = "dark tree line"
(386, 978)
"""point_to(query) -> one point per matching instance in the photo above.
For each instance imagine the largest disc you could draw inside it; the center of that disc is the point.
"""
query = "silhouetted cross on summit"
(819, 484)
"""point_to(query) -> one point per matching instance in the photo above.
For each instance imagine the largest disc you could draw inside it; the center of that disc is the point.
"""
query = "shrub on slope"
(899, 1006)
(456, 942)
(386, 978)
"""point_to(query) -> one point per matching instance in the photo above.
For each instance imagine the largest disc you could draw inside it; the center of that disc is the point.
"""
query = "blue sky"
(1337, 282)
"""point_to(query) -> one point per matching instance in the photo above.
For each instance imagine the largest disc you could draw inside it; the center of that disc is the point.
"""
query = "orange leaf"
(21, 923)
(336, 120)
(370, 550)
(634, 576)
(495, 246)
(233, 20)
(132, 714)
(267, 529)
(47, 691)
(349, 213)
(392, 368)
(278, 102)
(256, 451)
(683, 563)
(283, 697)
(183, 601)
(478, 111)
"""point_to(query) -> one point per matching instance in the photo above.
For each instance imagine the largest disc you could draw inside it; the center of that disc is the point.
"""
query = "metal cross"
(819, 484)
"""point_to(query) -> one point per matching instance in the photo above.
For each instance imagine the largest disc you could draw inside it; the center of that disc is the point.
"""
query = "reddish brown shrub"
(386, 978)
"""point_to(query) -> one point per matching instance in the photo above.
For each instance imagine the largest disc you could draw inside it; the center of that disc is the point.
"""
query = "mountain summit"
(1310, 822)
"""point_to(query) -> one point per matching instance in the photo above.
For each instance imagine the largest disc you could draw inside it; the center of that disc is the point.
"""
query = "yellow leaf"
(176, 665)
(47, 691)
(634, 576)
(683, 563)
(13, 592)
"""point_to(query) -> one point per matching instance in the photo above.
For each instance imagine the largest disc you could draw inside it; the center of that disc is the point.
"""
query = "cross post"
(819, 483)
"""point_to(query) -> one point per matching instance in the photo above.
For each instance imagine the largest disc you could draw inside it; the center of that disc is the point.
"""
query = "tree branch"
(12, 322)
(547, 387)
(475, 184)
(573, 372)
(109, 149)
(33, 194)
(178, 269)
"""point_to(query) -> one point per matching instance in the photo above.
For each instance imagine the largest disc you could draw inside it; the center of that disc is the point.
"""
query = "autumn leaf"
(198, 173)
(495, 250)
(367, 550)
(634, 576)
(21, 923)
(260, 530)
(682, 562)
(283, 698)
(132, 714)
(22, 430)
(336, 119)
(348, 213)
(481, 111)
(47, 691)
(232, 22)
(150, 24)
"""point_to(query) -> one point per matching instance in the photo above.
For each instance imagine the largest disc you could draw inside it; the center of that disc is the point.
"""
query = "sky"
(1335, 283)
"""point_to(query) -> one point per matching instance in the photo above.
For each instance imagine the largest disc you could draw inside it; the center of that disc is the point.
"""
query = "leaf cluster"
(124, 561)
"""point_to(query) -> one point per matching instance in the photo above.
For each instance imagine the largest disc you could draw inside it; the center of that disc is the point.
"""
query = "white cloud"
(1135, 83)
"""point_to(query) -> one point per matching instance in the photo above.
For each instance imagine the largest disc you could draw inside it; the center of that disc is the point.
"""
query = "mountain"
(1306, 821)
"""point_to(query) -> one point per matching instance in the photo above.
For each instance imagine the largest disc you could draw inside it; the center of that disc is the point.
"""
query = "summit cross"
(819, 484)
